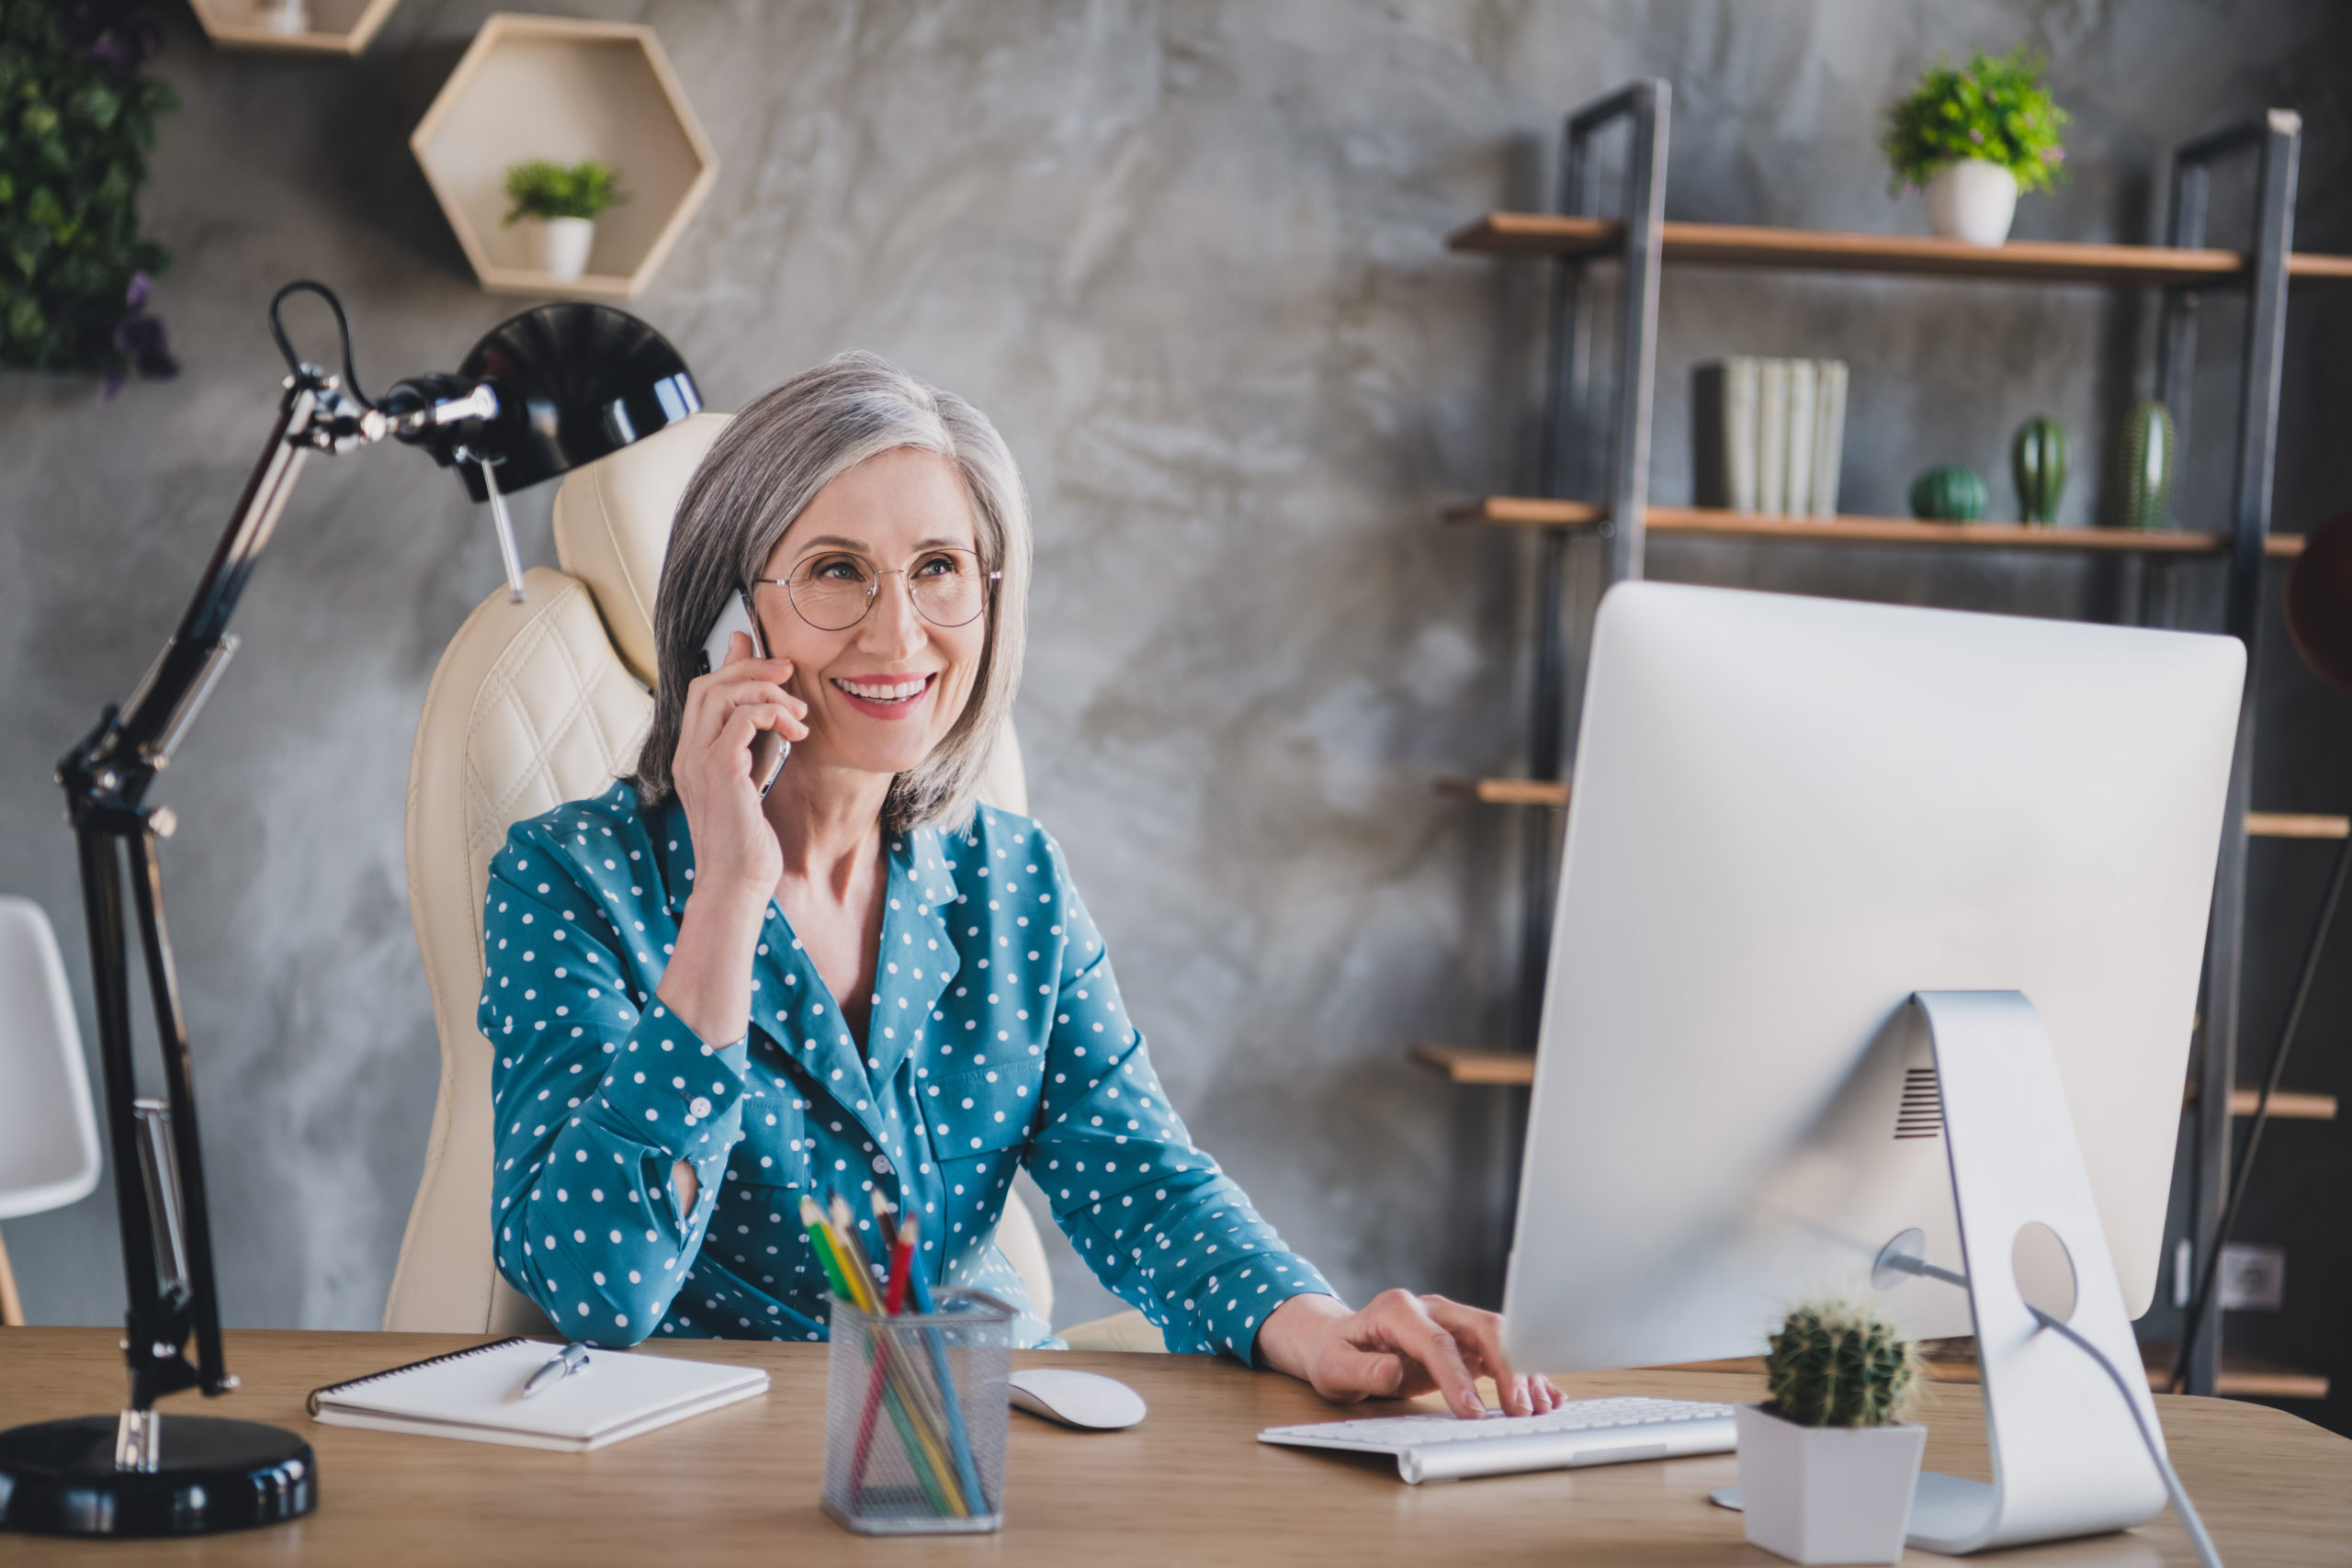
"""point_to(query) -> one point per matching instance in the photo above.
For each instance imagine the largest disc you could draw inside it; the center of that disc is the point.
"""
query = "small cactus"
(1839, 1364)
(2139, 486)
(2038, 461)
(1949, 494)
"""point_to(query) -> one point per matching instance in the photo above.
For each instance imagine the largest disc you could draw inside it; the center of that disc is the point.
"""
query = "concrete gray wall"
(1187, 255)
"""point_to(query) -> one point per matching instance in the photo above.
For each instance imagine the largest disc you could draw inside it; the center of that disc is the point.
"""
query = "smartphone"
(768, 748)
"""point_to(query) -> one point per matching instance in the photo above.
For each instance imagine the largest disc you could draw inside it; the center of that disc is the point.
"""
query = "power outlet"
(2254, 1279)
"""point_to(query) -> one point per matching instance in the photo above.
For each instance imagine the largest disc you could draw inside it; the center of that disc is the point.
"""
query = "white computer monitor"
(1788, 815)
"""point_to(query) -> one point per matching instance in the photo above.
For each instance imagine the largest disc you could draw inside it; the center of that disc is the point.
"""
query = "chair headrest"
(612, 529)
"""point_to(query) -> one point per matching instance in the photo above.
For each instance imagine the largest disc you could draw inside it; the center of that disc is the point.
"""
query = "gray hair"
(758, 476)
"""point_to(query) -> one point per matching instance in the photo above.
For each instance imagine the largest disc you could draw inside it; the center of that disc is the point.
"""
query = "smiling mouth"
(887, 693)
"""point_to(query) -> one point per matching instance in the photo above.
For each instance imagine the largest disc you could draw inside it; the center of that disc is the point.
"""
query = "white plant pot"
(559, 246)
(1827, 1493)
(1972, 200)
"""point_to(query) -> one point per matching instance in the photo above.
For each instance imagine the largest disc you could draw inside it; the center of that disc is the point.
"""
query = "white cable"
(2206, 1555)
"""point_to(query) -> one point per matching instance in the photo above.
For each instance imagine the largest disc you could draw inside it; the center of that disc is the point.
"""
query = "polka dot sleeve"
(596, 1091)
(1158, 1223)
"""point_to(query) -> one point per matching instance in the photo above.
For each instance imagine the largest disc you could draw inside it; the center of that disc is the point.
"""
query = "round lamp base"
(59, 1477)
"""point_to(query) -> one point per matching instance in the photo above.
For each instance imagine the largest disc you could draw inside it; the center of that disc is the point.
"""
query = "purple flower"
(140, 340)
(119, 33)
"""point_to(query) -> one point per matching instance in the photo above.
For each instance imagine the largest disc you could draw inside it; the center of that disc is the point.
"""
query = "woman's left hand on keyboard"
(1397, 1345)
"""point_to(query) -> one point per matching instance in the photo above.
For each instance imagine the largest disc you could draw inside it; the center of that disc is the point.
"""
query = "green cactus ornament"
(2038, 462)
(1839, 1364)
(2138, 485)
(1949, 494)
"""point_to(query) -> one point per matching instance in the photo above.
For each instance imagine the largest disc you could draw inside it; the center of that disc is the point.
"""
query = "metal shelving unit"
(1636, 240)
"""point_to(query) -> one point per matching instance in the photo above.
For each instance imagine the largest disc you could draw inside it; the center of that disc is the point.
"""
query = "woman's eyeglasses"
(834, 590)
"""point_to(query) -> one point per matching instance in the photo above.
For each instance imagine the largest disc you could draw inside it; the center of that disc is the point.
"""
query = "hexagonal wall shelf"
(335, 27)
(560, 88)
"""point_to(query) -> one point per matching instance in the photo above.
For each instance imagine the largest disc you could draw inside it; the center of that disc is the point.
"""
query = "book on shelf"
(1724, 428)
(1828, 433)
(1769, 435)
(1796, 469)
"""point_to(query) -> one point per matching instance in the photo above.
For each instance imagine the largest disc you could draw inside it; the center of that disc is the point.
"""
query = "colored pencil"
(893, 1303)
(916, 1417)
(959, 1441)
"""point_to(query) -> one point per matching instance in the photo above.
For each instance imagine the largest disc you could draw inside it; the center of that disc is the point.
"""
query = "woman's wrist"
(1286, 1340)
(707, 983)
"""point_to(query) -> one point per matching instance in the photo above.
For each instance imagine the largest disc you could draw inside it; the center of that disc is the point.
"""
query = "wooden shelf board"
(1740, 245)
(2287, 1105)
(1486, 1064)
(1476, 1064)
(2297, 825)
(1555, 792)
(2241, 1376)
(341, 27)
(1507, 792)
(1536, 512)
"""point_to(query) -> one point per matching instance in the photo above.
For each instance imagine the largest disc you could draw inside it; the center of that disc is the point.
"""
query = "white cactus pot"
(559, 246)
(1827, 1493)
(1972, 200)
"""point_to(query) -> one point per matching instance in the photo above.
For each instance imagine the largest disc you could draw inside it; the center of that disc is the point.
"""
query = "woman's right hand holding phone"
(736, 854)
(737, 859)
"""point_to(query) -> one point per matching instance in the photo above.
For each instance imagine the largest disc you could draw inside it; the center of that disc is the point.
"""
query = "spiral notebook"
(476, 1395)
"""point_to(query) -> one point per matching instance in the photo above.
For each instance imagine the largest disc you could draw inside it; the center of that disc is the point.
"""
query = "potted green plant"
(1973, 139)
(559, 203)
(1826, 1469)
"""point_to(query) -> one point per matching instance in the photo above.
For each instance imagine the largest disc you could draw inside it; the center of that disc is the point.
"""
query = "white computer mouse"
(1085, 1400)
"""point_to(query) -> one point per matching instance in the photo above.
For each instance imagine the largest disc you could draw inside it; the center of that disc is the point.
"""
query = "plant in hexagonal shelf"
(77, 119)
(562, 203)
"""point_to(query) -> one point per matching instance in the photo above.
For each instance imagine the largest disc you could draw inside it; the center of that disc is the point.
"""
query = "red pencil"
(894, 1301)
(902, 1268)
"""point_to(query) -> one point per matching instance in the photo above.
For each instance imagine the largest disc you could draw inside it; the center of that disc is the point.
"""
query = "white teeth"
(893, 691)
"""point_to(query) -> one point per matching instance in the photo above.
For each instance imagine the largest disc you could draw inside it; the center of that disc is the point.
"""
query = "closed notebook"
(476, 1395)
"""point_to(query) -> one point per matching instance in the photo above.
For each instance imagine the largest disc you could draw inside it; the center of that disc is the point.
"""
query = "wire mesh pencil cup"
(915, 1416)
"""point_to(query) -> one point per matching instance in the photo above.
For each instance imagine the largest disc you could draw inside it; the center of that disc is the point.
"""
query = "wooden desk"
(739, 1487)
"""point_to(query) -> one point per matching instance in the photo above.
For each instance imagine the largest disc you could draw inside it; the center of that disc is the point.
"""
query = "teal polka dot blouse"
(996, 1039)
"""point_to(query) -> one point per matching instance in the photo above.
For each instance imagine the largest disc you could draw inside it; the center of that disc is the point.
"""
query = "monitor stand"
(2067, 1456)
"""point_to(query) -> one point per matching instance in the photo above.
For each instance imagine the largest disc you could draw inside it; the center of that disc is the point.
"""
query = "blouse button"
(699, 1107)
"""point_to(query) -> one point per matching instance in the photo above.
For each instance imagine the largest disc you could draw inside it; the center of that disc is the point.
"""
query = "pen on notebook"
(566, 1362)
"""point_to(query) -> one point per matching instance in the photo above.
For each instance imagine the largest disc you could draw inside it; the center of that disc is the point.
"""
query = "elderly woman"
(706, 1002)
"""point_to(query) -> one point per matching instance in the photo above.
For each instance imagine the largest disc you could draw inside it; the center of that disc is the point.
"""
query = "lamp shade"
(2319, 602)
(574, 382)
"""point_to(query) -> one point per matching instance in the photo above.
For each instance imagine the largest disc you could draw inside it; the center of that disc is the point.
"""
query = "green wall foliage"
(77, 119)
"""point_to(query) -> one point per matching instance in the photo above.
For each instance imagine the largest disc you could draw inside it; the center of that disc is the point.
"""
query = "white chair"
(534, 704)
(48, 1135)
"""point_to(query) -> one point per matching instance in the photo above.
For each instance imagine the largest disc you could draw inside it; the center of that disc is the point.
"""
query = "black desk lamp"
(546, 391)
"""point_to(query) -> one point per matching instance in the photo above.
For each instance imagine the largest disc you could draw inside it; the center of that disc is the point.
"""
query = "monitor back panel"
(1788, 815)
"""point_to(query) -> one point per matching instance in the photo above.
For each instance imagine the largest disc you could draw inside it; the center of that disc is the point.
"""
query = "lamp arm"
(106, 779)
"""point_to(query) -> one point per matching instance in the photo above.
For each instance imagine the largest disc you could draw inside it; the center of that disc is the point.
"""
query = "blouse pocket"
(980, 1110)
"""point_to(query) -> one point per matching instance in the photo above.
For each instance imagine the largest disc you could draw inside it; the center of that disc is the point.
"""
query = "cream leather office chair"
(534, 704)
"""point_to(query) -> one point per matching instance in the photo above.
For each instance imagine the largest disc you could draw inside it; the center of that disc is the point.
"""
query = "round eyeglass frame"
(874, 594)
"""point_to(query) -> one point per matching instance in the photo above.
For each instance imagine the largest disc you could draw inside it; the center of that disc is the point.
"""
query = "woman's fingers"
(1480, 1335)
(710, 699)
(1400, 1321)
(745, 724)
(1344, 1374)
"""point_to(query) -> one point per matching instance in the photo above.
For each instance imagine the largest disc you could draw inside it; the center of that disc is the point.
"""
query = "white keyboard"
(1584, 1431)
